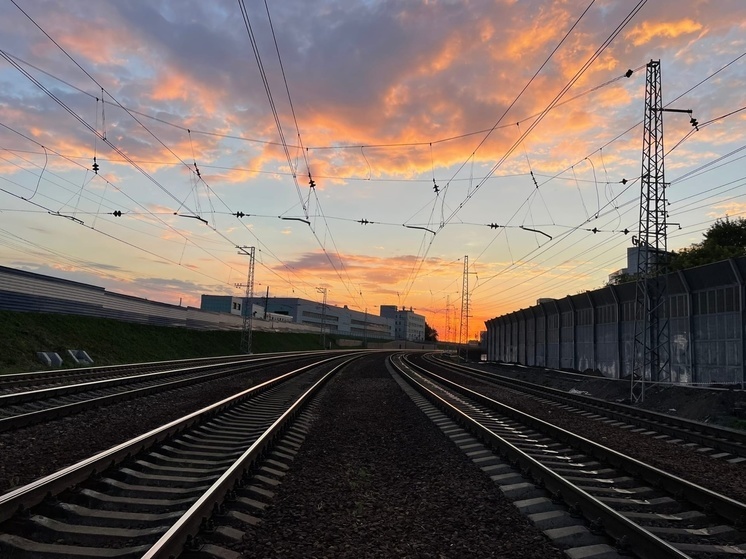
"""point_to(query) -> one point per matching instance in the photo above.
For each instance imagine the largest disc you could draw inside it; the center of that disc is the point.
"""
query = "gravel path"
(375, 478)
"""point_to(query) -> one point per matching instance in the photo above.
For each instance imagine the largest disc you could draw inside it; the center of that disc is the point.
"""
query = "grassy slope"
(112, 342)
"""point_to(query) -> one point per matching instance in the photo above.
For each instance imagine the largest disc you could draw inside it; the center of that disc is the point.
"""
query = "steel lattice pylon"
(651, 352)
(464, 325)
(246, 330)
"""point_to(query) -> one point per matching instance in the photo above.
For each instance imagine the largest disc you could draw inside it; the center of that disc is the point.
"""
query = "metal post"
(246, 330)
(323, 316)
(652, 357)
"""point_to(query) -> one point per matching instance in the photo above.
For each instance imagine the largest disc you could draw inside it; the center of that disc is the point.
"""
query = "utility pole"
(365, 329)
(246, 330)
(323, 316)
(448, 318)
(465, 309)
(266, 303)
(651, 357)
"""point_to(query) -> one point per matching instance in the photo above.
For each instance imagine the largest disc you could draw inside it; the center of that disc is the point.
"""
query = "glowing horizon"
(408, 114)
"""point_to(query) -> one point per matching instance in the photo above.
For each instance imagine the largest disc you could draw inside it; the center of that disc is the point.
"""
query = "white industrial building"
(329, 318)
(408, 325)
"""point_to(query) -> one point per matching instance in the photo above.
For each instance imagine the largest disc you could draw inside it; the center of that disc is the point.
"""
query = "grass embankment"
(111, 342)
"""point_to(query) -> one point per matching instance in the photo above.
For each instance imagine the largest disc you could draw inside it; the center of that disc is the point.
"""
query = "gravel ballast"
(376, 478)
(677, 459)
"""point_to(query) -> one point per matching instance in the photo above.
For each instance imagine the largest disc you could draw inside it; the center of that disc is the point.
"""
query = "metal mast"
(651, 357)
(448, 319)
(323, 316)
(248, 308)
(464, 325)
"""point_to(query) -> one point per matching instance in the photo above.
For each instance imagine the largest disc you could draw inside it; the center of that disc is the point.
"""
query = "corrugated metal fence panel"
(607, 349)
(24, 302)
(553, 333)
(584, 348)
(513, 353)
(28, 292)
(707, 340)
(717, 335)
(541, 348)
(530, 340)
(34, 285)
(567, 340)
(521, 357)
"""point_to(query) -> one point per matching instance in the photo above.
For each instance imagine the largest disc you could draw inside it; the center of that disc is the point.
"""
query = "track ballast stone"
(375, 478)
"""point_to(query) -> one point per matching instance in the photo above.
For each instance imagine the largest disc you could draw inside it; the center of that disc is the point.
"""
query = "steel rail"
(62, 410)
(39, 416)
(53, 484)
(62, 390)
(75, 374)
(728, 440)
(637, 538)
(733, 510)
(62, 374)
(190, 523)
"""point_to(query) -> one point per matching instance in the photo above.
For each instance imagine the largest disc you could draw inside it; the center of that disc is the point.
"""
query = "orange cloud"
(647, 31)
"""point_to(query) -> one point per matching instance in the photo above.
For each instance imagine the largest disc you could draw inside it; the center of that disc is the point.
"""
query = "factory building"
(408, 325)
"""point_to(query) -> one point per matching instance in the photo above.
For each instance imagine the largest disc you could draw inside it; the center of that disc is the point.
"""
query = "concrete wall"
(706, 313)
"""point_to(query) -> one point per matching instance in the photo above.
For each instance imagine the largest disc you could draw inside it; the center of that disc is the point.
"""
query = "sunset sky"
(505, 131)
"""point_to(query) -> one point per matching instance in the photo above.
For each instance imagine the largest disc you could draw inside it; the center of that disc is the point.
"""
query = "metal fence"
(595, 330)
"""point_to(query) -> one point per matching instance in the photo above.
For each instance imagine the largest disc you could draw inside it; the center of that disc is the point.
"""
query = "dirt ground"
(721, 406)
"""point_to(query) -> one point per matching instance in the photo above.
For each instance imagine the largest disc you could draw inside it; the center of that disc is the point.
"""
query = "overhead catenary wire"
(544, 112)
(96, 132)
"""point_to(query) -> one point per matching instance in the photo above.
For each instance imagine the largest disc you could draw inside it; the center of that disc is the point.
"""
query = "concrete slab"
(245, 518)
(509, 478)
(599, 551)
(219, 552)
(573, 536)
(521, 491)
(553, 519)
(227, 533)
(536, 505)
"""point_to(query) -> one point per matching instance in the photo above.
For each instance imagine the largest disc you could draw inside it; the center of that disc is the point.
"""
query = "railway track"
(57, 399)
(723, 443)
(38, 380)
(150, 496)
(557, 476)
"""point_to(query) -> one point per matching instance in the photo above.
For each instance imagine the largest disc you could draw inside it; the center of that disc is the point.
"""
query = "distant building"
(633, 262)
(333, 319)
(408, 325)
(232, 305)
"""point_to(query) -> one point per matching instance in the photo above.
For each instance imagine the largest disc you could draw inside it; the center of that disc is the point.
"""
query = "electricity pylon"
(246, 329)
(651, 353)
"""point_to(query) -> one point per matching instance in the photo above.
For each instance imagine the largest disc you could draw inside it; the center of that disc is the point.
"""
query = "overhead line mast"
(651, 358)
(248, 311)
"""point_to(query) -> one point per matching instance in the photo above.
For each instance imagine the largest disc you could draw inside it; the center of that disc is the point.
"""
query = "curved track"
(725, 443)
(151, 495)
(640, 508)
(70, 394)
